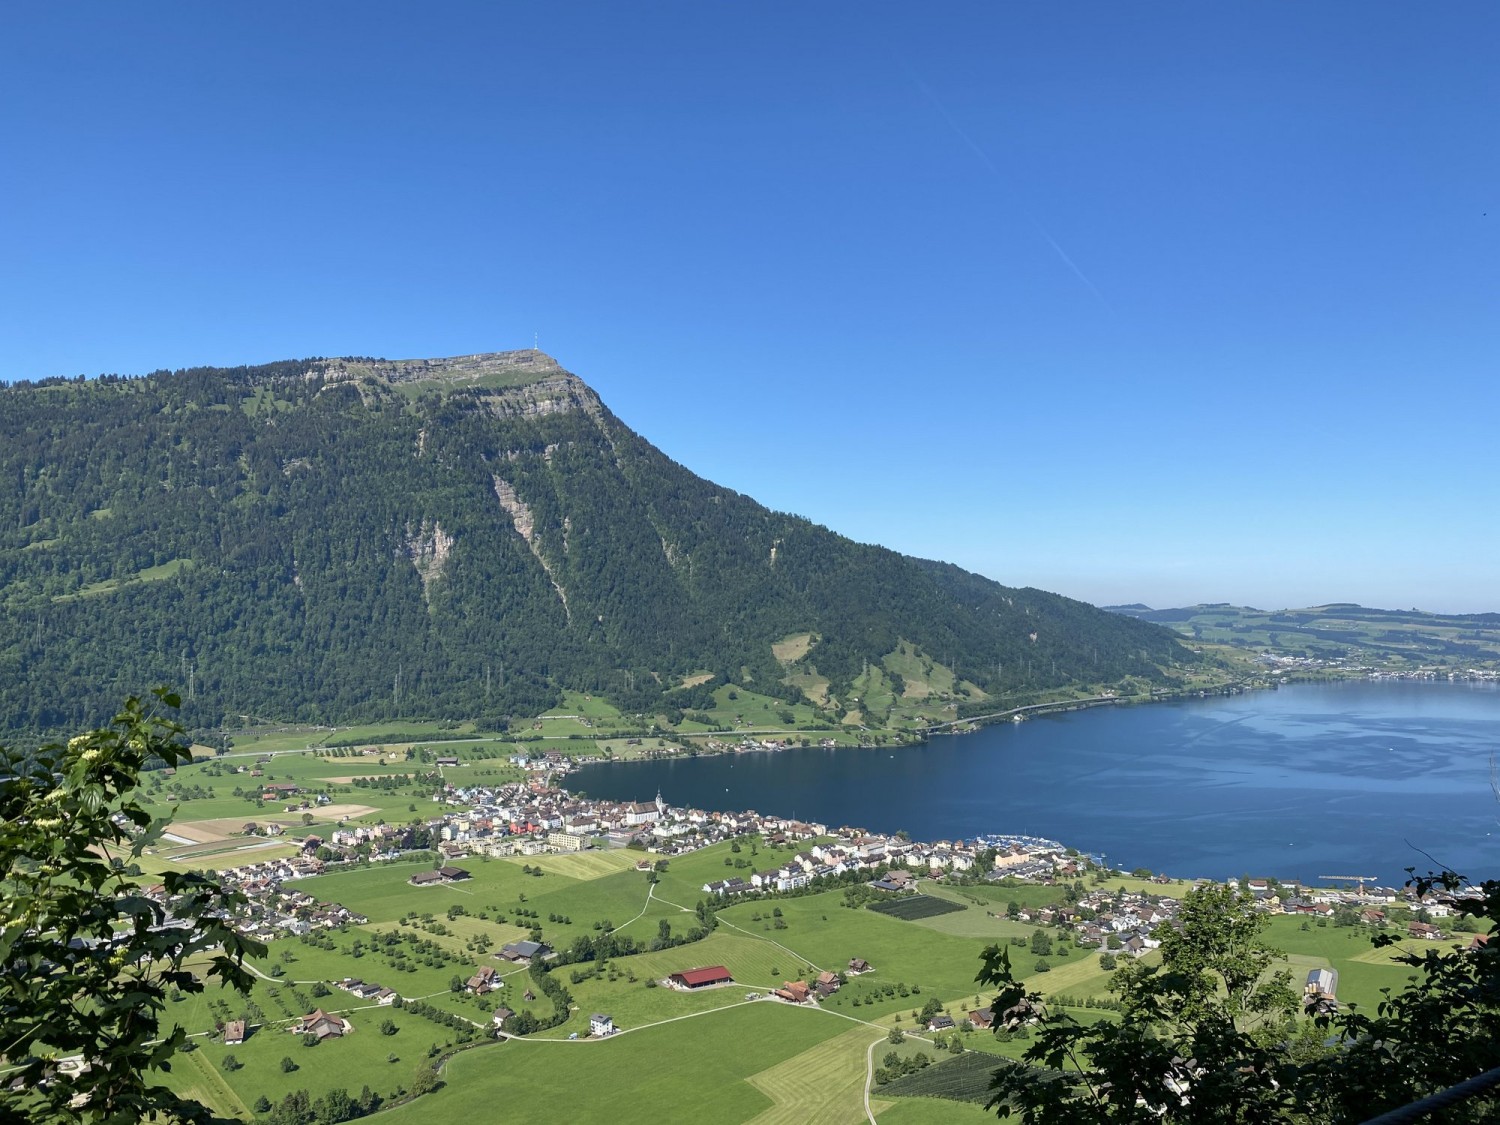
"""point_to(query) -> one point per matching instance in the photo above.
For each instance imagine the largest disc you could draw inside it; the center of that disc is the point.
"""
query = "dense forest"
(337, 540)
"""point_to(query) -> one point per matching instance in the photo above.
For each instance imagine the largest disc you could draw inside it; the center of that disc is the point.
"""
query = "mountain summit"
(328, 540)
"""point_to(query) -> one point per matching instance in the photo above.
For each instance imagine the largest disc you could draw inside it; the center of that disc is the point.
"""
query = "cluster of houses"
(1124, 921)
(821, 987)
(1128, 922)
(904, 862)
(368, 990)
(1363, 905)
(272, 909)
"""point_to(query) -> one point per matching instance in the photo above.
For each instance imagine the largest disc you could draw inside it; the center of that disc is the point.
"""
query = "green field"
(693, 1070)
(741, 1059)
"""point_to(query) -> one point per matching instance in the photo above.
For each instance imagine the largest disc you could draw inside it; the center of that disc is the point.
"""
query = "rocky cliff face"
(520, 384)
(515, 368)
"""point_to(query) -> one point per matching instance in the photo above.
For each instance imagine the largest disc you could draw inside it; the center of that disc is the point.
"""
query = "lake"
(1356, 778)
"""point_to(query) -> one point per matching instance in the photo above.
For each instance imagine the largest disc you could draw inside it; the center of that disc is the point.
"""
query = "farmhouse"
(524, 951)
(500, 1016)
(482, 981)
(321, 1024)
(600, 1024)
(690, 979)
(441, 875)
(859, 965)
(982, 1018)
(827, 984)
(1321, 982)
(793, 992)
(234, 1033)
(941, 1023)
(447, 761)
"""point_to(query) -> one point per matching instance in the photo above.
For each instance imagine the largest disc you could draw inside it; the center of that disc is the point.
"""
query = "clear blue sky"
(1136, 302)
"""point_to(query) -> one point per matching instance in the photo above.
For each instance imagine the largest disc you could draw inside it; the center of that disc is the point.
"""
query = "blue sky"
(1164, 303)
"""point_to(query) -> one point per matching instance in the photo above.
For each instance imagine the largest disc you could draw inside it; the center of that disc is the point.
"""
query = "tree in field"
(334, 1106)
(425, 1080)
(87, 961)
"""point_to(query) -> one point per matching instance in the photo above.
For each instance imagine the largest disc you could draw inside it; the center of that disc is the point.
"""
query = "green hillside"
(1341, 633)
(364, 540)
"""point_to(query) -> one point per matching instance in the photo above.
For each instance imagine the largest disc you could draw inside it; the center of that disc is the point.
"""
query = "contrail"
(984, 158)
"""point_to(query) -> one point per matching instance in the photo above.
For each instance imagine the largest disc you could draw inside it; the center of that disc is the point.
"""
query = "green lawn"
(692, 1071)
(824, 1083)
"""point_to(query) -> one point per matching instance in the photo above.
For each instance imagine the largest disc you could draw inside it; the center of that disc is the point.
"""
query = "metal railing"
(1416, 1111)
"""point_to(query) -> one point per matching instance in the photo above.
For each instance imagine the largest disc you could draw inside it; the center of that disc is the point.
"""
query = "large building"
(707, 977)
(567, 841)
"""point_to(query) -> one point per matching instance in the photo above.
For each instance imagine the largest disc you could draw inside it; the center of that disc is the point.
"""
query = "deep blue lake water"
(1309, 780)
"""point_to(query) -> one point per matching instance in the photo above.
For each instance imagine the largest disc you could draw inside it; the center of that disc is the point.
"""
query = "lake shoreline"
(1301, 781)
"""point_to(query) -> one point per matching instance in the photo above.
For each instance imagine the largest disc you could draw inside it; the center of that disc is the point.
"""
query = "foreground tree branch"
(86, 958)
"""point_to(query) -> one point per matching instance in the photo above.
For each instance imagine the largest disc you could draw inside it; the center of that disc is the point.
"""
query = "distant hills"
(1338, 631)
(332, 540)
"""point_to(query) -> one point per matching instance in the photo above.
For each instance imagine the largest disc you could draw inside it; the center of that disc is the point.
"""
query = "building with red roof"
(701, 978)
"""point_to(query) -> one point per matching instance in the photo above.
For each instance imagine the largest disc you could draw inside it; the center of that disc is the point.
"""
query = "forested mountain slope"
(328, 540)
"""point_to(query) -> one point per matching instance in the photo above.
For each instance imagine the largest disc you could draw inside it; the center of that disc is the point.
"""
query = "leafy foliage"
(1213, 1034)
(1441, 1030)
(87, 960)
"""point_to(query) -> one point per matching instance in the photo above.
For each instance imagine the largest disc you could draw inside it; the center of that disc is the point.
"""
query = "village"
(538, 817)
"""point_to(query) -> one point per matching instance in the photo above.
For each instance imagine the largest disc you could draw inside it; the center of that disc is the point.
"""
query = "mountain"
(328, 540)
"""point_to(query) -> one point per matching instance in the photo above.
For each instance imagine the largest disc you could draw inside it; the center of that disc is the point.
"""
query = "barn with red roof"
(701, 978)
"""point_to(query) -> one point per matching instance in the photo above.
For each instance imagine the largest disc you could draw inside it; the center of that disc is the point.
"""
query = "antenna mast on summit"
(536, 341)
